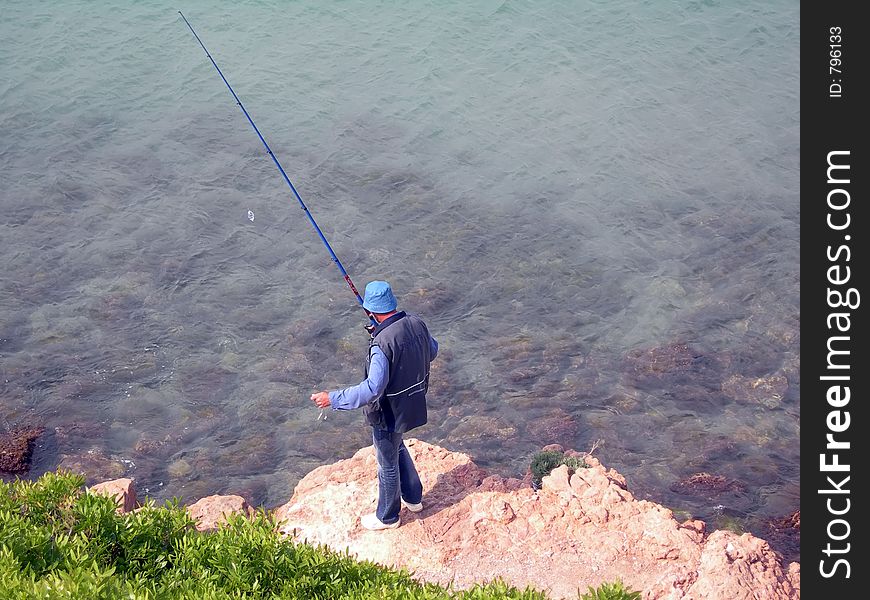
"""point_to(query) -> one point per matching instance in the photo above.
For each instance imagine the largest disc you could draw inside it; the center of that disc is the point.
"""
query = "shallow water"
(594, 205)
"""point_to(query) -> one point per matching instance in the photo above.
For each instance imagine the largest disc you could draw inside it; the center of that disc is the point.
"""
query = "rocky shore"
(580, 529)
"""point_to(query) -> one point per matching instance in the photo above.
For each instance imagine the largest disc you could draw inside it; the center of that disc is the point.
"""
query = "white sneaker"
(413, 507)
(373, 523)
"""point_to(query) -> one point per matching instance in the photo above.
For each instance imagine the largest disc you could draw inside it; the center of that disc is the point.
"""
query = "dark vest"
(404, 340)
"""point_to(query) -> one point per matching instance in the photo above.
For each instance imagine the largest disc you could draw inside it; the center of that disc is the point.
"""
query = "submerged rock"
(179, 469)
(441, 377)
(784, 533)
(515, 352)
(661, 360)
(76, 431)
(529, 373)
(767, 391)
(705, 485)
(93, 464)
(428, 301)
(677, 367)
(475, 428)
(792, 521)
(555, 427)
(150, 446)
(16, 448)
(204, 384)
(754, 355)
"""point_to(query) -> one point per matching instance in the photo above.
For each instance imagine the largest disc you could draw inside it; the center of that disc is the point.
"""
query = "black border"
(831, 124)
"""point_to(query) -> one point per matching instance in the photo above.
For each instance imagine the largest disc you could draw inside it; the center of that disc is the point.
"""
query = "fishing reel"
(372, 324)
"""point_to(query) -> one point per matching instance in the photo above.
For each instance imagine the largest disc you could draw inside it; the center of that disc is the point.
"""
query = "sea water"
(593, 204)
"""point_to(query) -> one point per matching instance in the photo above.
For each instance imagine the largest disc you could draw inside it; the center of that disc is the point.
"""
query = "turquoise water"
(593, 204)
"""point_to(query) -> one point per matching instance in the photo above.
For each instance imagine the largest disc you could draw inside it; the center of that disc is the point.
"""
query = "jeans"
(396, 474)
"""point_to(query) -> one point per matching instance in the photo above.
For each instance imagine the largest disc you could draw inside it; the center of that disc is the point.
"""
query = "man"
(393, 397)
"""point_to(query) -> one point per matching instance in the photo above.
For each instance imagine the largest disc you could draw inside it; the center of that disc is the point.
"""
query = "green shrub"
(574, 463)
(56, 542)
(610, 591)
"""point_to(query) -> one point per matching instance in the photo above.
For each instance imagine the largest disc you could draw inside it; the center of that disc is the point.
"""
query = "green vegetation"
(729, 522)
(681, 515)
(57, 542)
(610, 591)
(545, 461)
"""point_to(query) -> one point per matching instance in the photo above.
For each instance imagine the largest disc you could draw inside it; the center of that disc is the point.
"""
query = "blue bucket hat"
(379, 298)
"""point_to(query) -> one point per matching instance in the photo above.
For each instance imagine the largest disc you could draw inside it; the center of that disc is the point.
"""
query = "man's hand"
(321, 399)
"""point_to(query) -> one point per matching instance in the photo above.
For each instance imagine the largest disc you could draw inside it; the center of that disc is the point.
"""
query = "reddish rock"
(210, 512)
(557, 481)
(585, 526)
(16, 447)
(742, 567)
(121, 490)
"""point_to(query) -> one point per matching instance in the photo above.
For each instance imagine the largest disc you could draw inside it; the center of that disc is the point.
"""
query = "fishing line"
(286, 178)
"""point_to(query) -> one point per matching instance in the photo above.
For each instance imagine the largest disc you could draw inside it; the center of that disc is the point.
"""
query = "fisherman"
(393, 398)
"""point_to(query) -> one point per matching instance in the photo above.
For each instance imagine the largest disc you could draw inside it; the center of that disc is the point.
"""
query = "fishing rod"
(287, 179)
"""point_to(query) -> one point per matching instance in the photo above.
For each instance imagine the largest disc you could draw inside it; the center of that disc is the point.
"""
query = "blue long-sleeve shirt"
(373, 386)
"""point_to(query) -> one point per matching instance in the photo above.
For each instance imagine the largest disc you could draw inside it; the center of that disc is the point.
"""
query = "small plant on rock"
(610, 591)
(574, 462)
(545, 461)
